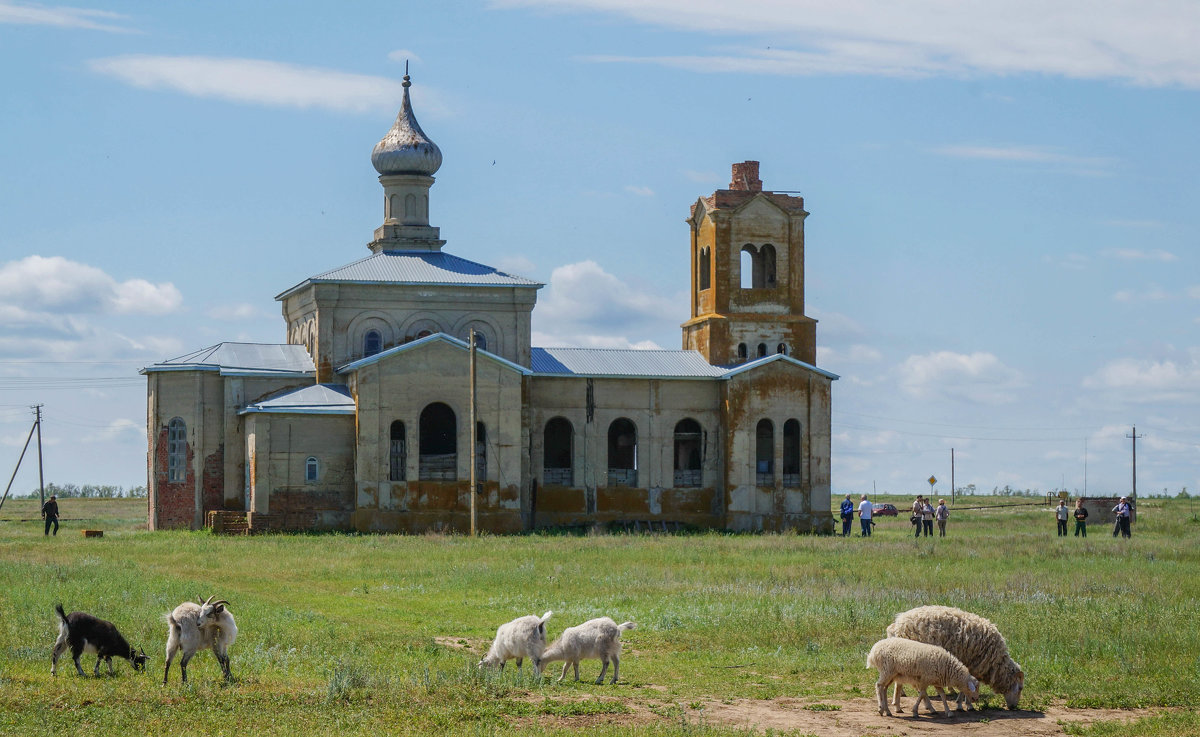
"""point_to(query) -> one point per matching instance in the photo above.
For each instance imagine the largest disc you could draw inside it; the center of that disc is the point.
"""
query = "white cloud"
(1150, 294)
(1026, 155)
(56, 286)
(118, 429)
(1136, 254)
(234, 312)
(584, 305)
(639, 191)
(402, 55)
(25, 14)
(516, 264)
(1126, 40)
(261, 82)
(1145, 380)
(857, 353)
(978, 377)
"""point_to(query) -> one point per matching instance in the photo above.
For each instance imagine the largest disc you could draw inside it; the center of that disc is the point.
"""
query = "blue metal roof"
(429, 268)
(319, 399)
(622, 362)
(255, 359)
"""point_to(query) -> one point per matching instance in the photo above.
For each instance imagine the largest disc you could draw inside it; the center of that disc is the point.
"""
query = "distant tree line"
(88, 491)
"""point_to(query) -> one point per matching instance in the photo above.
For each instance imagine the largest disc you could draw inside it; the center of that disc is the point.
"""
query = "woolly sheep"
(196, 626)
(902, 661)
(970, 638)
(595, 638)
(524, 637)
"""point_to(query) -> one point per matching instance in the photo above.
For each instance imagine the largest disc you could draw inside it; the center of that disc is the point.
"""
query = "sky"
(1001, 253)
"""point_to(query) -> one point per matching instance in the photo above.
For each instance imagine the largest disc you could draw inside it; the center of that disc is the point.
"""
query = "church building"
(362, 420)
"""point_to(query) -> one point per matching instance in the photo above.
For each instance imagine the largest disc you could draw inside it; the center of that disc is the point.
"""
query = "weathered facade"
(361, 420)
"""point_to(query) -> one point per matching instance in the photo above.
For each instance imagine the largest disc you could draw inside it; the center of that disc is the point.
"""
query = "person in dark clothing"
(847, 515)
(50, 514)
(1081, 515)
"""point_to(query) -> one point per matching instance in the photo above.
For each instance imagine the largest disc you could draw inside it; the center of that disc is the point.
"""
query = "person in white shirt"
(864, 515)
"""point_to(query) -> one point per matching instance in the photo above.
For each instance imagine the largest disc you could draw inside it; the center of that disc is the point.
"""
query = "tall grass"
(337, 632)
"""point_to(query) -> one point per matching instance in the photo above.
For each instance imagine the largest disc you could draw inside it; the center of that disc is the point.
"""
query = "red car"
(886, 510)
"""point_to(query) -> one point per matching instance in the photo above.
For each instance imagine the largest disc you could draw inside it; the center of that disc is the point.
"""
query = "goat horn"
(209, 600)
(220, 601)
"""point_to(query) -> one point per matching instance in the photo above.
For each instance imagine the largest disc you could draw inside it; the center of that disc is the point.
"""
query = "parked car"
(887, 510)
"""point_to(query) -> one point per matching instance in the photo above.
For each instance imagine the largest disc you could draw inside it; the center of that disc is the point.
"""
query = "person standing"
(1060, 514)
(50, 514)
(1124, 513)
(1081, 514)
(865, 509)
(918, 506)
(941, 514)
(927, 517)
(847, 515)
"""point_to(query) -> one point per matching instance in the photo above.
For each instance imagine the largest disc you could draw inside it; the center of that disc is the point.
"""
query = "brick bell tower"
(747, 298)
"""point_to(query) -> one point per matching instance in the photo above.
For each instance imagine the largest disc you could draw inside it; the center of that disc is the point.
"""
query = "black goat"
(84, 633)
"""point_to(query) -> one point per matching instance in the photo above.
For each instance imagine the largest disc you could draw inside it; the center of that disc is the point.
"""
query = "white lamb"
(917, 664)
(595, 638)
(969, 637)
(524, 637)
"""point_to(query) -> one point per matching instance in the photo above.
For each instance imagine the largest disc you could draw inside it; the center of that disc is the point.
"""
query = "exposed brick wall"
(745, 177)
(175, 502)
(213, 481)
(305, 510)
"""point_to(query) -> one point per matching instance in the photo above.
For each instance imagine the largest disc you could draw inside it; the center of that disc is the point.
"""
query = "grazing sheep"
(595, 638)
(84, 633)
(902, 661)
(524, 637)
(193, 627)
(970, 638)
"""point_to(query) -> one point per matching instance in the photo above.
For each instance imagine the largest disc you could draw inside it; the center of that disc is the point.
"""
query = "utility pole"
(474, 431)
(18, 466)
(952, 475)
(1085, 467)
(1135, 437)
(37, 410)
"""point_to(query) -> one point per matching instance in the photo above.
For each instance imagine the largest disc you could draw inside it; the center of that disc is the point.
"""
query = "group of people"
(1123, 511)
(923, 516)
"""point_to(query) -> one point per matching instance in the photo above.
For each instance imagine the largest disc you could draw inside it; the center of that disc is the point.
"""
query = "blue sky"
(1001, 252)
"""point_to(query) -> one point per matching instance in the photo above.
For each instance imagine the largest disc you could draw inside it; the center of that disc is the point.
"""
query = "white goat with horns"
(198, 626)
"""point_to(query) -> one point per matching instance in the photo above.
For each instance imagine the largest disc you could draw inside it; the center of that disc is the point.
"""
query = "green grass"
(338, 631)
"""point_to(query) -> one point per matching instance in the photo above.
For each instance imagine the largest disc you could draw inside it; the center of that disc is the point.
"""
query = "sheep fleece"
(969, 637)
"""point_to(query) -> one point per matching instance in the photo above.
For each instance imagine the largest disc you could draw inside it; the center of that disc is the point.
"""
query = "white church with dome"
(361, 419)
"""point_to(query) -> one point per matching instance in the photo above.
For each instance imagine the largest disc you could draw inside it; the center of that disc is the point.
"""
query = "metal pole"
(21, 458)
(37, 408)
(474, 439)
(1135, 437)
(952, 475)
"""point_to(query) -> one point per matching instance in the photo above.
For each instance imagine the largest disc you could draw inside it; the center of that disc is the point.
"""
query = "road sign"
(932, 480)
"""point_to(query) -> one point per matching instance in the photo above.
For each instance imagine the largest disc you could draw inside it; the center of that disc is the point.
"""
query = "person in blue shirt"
(847, 515)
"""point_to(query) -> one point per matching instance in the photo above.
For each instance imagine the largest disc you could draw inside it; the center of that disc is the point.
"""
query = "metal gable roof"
(758, 362)
(242, 358)
(442, 337)
(622, 362)
(319, 399)
(431, 268)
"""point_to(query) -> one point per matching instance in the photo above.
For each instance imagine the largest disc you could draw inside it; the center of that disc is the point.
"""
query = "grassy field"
(379, 634)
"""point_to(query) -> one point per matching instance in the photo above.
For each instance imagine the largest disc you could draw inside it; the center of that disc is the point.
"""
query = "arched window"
(762, 350)
(766, 255)
(398, 453)
(480, 453)
(705, 275)
(741, 352)
(791, 453)
(176, 450)
(689, 445)
(424, 334)
(312, 469)
(410, 209)
(439, 444)
(764, 453)
(749, 264)
(372, 343)
(622, 453)
(557, 452)
(481, 341)
(781, 348)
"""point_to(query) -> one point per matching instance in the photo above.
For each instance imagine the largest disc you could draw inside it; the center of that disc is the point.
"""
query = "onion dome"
(406, 149)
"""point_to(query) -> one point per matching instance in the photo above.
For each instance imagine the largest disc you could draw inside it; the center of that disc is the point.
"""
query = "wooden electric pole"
(1134, 436)
(37, 410)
